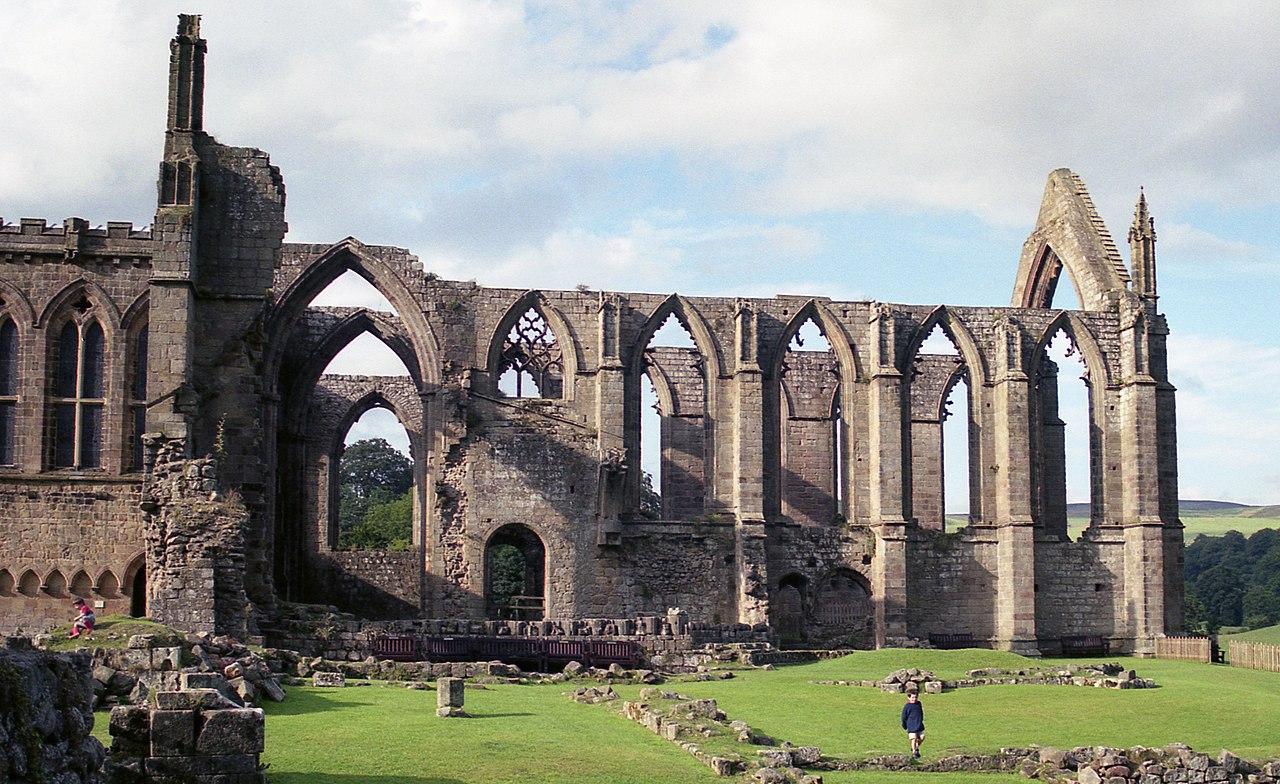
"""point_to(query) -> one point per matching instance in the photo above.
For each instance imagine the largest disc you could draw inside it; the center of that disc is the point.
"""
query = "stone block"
(193, 699)
(130, 728)
(235, 731)
(173, 733)
(329, 679)
(183, 768)
(450, 692)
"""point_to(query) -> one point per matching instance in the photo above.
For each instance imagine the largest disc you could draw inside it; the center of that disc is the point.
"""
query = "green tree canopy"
(372, 464)
(375, 503)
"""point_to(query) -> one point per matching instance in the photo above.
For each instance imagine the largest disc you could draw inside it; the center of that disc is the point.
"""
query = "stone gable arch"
(1069, 234)
(1085, 342)
(831, 328)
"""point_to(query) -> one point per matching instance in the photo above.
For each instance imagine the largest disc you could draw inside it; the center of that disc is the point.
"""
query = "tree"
(506, 574)
(1221, 589)
(650, 500)
(372, 464)
(386, 526)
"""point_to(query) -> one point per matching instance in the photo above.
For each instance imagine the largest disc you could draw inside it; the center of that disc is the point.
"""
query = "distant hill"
(1197, 508)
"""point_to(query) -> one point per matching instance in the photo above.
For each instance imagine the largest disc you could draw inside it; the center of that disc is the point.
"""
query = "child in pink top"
(84, 623)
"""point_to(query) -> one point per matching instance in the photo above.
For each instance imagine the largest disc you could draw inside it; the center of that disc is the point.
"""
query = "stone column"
(886, 451)
(1015, 529)
(1144, 567)
(610, 411)
(748, 472)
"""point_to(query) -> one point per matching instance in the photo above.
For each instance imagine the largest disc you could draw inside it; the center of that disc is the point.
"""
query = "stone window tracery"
(79, 391)
(10, 379)
(532, 364)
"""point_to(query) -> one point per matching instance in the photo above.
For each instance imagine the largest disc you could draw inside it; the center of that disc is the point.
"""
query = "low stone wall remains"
(194, 736)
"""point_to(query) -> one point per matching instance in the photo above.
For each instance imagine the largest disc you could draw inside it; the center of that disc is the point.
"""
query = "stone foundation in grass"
(1101, 676)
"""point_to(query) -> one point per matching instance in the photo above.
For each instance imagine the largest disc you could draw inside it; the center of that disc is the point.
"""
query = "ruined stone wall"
(46, 717)
(952, 584)
(1079, 589)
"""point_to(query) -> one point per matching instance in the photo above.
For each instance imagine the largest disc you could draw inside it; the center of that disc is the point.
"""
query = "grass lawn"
(1267, 634)
(390, 735)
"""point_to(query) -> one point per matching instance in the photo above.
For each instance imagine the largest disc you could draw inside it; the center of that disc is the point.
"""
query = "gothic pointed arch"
(693, 323)
(137, 312)
(81, 585)
(1083, 338)
(54, 584)
(959, 334)
(832, 330)
(377, 399)
(385, 327)
(8, 585)
(567, 352)
(107, 585)
(1069, 234)
(391, 281)
(16, 303)
(75, 294)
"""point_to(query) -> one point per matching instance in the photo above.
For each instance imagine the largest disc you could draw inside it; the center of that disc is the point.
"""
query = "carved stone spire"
(1142, 249)
(186, 76)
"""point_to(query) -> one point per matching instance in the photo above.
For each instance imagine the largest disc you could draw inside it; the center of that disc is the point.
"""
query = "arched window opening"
(79, 392)
(1066, 297)
(650, 450)
(108, 585)
(942, 438)
(137, 381)
(351, 290)
(81, 586)
(29, 584)
(787, 609)
(812, 430)
(843, 613)
(375, 500)
(531, 364)
(10, 380)
(7, 584)
(673, 391)
(515, 574)
(1069, 447)
(138, 593)
(957, 452)
(55, 584)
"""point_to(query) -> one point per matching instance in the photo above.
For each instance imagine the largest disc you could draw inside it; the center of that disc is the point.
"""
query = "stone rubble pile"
(1172, 764)
(153, 663)
(46, 714)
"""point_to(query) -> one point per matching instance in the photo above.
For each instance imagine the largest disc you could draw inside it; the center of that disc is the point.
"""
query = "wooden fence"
(1254, 655)
(1190, 648)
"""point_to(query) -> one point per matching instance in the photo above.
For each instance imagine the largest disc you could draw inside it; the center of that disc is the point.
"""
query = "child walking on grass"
(913, 722)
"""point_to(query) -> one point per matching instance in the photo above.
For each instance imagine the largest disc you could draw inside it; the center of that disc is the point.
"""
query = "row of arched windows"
(78, 390)
(55, 585)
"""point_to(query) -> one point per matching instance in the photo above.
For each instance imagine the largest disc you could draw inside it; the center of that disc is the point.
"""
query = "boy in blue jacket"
(913, 722)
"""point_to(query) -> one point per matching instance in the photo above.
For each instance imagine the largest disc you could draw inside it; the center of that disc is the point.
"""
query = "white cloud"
(1194, 249)
(1228, 417)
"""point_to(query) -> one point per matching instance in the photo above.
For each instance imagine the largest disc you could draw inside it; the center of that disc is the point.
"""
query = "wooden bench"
(1085, 645)
(396, 648)
(952, 641)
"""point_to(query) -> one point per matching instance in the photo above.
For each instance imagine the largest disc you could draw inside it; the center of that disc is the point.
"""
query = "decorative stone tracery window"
(532, 364)
(10, 378)
(79, 391)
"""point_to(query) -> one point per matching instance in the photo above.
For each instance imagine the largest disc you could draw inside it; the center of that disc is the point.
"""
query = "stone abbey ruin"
(169, 442)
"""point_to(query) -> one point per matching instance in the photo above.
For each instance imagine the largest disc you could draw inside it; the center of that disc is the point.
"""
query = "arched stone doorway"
(843, 614)
(515, 568)
(136, 580)
(787, 607)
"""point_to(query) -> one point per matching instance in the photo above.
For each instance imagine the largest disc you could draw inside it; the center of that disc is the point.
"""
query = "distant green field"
(1209, 522)
(1267, 634)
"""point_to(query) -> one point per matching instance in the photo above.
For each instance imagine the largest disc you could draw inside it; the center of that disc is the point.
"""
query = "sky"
(853, 150)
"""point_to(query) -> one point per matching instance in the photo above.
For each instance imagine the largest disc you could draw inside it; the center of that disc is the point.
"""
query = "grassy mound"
(1268, 634)
(111, 631)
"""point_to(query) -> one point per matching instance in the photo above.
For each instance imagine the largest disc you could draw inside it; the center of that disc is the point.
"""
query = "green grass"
(389, 735)
(111, 631)
(1267, 634)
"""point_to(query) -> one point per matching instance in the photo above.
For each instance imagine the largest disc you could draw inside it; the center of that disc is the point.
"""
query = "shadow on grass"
(343, 778)
(300, 703)
(497, 715)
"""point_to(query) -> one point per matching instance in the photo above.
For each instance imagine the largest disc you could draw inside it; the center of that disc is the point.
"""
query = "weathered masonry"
(800, 489)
